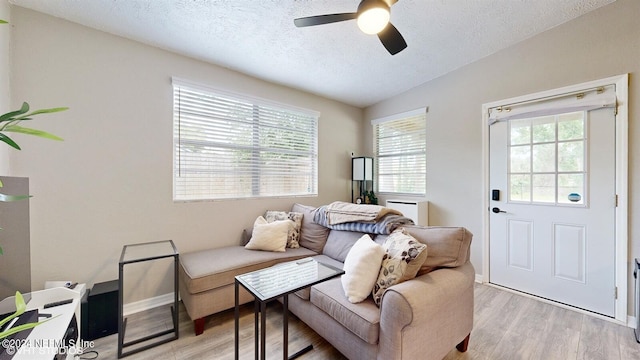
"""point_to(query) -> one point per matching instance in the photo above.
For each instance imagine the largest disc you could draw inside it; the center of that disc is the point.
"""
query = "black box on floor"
(636, 275)
(100, 311)
(84, 315)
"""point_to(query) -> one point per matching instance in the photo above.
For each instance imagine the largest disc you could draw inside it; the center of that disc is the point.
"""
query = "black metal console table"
(136, 253)
(271, 283)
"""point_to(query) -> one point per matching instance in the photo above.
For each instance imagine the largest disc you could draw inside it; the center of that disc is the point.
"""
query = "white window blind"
(400, 146)
(232, 146)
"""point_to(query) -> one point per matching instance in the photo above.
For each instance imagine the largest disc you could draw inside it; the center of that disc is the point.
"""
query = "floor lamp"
(361, 175)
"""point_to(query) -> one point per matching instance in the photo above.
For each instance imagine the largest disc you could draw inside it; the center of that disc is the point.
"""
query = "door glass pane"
(571, 126)
(544, 188)
(571, 156)
(520, 159)
(547, 157)
(544, 129)
(520, 131)
(571, 184)
(520, 187)
(544, 158)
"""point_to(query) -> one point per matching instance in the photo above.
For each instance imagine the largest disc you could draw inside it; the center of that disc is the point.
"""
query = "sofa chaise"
(421, 318)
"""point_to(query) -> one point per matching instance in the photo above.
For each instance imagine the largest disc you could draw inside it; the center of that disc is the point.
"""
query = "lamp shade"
(362, 168)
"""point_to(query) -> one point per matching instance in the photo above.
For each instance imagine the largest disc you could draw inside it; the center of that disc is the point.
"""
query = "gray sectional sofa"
(422, 318)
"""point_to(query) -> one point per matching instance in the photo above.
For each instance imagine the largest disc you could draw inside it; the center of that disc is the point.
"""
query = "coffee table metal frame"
(272, 283)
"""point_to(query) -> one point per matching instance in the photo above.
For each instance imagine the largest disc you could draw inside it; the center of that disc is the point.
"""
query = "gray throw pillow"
(312, 236)
(339, 243)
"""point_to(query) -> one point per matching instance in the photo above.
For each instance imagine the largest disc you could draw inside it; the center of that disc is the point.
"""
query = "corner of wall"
(5, 88)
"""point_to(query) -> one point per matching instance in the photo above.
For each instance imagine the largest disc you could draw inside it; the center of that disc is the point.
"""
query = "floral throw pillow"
(404, 255)
(293, 237)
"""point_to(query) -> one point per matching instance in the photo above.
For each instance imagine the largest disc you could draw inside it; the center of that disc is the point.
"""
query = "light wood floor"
(506, 326)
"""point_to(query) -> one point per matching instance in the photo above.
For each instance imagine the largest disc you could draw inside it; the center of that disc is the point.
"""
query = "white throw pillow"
(294, 233)
(269, 236)
(361, 269)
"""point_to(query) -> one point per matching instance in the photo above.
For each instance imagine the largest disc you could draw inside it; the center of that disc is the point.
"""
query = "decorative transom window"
(547, 159)
(230, 146)
(400, 143)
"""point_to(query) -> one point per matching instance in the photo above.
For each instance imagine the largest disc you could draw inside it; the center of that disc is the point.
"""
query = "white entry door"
(552, 220)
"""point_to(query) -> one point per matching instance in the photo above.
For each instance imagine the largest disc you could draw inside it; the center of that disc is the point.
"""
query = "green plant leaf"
(28, 131)
(7, 198)
(3, 22)
(41, 111)
(23, 327)
(5, 139)
(48, 111)
(1, 252)
(12, 114)
(21, 306)
(12, 121)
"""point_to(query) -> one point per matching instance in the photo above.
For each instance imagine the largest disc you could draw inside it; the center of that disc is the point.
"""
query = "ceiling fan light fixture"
(373, 16)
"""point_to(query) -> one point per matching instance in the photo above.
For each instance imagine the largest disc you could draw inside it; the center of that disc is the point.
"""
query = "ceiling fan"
(372, 17)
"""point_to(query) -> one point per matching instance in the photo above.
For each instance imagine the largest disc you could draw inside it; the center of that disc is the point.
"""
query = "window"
(547, 159)
(400, 146)
(230, 146)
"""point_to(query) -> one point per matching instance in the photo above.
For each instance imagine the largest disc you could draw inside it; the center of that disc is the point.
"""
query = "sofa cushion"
(306, 292)
(269, 236)
(448, 246)
(361, 269)
(209, 269)
(339, 242)
(362, 319)
(404, 256)
(312, 235)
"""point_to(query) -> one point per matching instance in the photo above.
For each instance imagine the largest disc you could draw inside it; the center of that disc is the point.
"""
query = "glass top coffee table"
(274, 282)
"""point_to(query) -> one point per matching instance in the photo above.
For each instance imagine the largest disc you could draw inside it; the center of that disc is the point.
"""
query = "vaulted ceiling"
(337, 60)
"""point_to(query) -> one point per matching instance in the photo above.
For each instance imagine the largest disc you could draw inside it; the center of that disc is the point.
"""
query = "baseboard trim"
(479, 278)
(147, 304)
(631, 322)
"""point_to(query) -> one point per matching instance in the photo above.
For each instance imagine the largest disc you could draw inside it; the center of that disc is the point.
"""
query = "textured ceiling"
(258, 37)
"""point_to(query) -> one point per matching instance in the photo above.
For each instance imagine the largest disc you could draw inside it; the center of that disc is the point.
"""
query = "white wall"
(110, 182)
(602, 43)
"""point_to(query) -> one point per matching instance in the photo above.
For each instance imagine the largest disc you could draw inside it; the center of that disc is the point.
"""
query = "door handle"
(497, 210)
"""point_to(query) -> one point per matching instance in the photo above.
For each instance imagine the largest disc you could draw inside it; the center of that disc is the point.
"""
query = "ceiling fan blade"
(392, 39)
(323, 19)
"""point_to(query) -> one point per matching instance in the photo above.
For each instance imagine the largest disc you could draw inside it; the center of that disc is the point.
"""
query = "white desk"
(45, 340)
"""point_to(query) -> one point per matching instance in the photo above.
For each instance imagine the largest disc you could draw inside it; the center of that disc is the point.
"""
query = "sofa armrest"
(426, 317)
